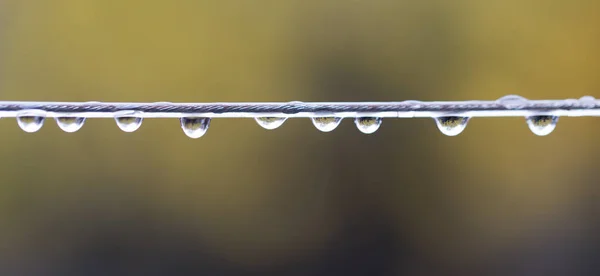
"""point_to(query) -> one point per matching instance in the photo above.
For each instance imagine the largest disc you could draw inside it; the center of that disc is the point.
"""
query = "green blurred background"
(407, 200)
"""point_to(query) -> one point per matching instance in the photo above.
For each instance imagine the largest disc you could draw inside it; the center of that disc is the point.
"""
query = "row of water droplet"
(196, 127)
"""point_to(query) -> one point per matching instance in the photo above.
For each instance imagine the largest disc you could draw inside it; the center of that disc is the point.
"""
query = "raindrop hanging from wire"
(452, 125)
(70, 124)
(195, 127)
(542, 125)
(30, 121)
(270, 122)
(368, 125)
(128, 123)
(326, 124)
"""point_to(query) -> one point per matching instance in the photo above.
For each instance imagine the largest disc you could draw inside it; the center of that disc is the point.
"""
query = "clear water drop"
(129, 123)
(452, 125)
(512, 101)
(326, 124)
(588, 101)
(70, 124)
(195, 127)
(29, 123)
(270, 122)
(542, 125)
(368, 125)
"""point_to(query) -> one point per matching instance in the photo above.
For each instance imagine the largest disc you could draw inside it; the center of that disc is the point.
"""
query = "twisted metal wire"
(508, 106)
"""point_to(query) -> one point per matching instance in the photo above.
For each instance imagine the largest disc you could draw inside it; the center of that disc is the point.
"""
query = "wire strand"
(508, 106)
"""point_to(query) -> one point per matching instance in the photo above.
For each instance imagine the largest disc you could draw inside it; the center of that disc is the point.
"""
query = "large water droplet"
(70, 124)
(129, 123)
(512, 101)
(326, 124)
(542, 125)
(368, 125)
(270, 122)
(194, 127)
(30, 123)
(452, 125)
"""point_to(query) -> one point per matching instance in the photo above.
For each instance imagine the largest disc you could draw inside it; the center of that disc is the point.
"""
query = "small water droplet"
(270, 122)
(194, 127)
(542, 125)
(30, 123)
(368, 125)
(587, 101)
(326, 124)
(512, 101)
(70, 124)
(452, 125)
(129, 123)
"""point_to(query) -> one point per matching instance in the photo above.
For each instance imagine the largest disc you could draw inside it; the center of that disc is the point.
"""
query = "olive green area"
(405, 200)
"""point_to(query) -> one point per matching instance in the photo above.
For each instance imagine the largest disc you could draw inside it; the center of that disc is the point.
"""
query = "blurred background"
(407, 200)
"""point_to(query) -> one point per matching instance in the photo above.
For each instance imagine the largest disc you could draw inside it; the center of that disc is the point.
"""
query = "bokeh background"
(407, 200)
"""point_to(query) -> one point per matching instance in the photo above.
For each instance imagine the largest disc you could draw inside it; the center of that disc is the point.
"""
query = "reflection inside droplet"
(129, 124)
(270, 122)
(194, 127)
(452, 125)
(542, 125)
(70, 124)
(368, 125)
(326, 124)
(30, 123)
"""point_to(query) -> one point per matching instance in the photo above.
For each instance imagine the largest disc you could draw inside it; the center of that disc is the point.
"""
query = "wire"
(508, 106)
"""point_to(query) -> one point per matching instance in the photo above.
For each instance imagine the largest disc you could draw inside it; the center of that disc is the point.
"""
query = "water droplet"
(70, 124)
(452, 125)
(194, 127)
(512, 101)
(326, 124)
(542, 125)
(270, 122)
(368, 125)
(30, 123)
(588, 101)
(129, 123)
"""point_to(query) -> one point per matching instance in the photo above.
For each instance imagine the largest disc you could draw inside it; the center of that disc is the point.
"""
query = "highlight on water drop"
(194, 127)
(270, 122)
(368, 125)
(70, 124)
(451, 125)
(31, 121)
(513, 101)
(542, 125)
(129, 123)
(326, 124)
(587, 99)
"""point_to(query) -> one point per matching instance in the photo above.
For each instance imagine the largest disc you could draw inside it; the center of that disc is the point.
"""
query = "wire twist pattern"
(504, 107)
(450, 117)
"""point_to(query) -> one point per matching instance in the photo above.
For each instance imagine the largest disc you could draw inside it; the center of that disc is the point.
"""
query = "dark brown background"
(495, 200)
